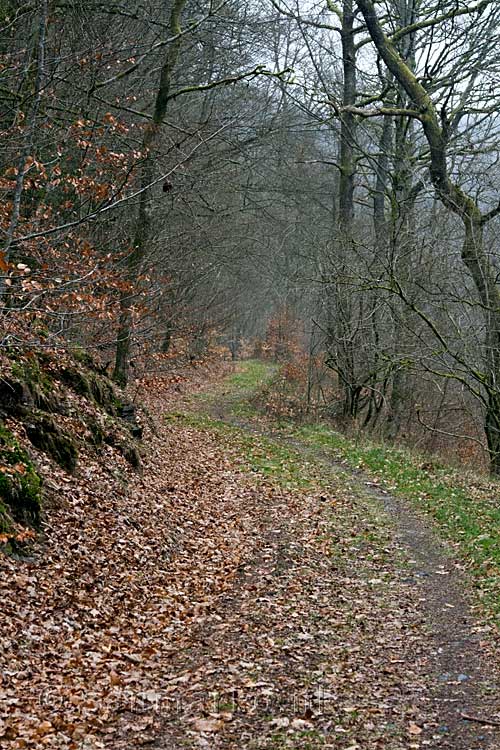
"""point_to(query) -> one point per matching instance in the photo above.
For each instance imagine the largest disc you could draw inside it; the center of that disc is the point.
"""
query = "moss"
(20, 485)
(9, 442)
(92, 386)
(6, 8)
(29, 386)
(104, 395)
(118, 405)
(41, 331)
(96, 431)
(45, 434)
(82, 356)
(34, 386)
(5, 524)
(76, 380)
(30, 372)
(47, 401)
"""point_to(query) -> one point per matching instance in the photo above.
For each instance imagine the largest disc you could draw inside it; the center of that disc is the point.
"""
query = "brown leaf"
(208, 725)
(414, 728)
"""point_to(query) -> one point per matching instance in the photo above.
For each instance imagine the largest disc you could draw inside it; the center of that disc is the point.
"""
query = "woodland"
(180, 177)
(249, 374)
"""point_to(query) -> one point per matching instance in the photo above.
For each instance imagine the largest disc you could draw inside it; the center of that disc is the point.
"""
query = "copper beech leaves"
(199, 605)
(208, 725)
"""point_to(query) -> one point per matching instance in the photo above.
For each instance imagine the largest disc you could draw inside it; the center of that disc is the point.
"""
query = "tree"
(141, 232)
(474, 220)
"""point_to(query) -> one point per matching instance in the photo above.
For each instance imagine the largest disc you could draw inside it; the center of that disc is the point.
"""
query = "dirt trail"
(304, 651)
(217, 601)
(461, 683)
(464, 684)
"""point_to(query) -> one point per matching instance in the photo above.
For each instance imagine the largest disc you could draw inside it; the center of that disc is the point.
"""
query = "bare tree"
(474, 255)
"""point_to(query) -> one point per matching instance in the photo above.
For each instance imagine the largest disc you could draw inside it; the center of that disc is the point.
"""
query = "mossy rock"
(29, 386)
(48, 437)
(93, 387)
(5, 519)
(29, 371)
(81, 355)
(20, 485)
(130, 453)
(96, 431)
(128, 413)
(15, 397)
(104, 394)
(47, 401)
(76, 380)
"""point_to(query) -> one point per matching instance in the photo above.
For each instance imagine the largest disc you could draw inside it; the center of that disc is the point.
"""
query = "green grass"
(466, 509)
(252, 375)
(466, 514)
(256, 454)
(305, 740)
(238, 389)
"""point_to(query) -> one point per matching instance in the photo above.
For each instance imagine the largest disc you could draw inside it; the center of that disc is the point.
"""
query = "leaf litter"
(199, 605)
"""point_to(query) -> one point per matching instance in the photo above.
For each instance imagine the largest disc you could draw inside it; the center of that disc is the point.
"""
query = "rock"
(128, 414)
(445, 677)
(15, 397)
(128, 450)
(96, 431)
(92, 386)
(48, 437)
(131, 454)
(20, 485)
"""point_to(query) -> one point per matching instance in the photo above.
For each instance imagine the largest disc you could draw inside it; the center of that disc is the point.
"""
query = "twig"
(469, 717)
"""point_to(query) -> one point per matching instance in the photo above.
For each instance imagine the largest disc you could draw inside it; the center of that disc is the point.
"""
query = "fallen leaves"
(201, 607)
(129, 565)
(208, 725)
(414, 729)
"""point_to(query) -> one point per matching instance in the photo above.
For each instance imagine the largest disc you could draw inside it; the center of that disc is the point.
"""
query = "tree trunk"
(492, 429)
(343, 356)
(465, 207)
(143, 222)
(28, 137)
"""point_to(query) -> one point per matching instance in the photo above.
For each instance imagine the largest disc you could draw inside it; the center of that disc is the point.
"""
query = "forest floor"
(247, 590)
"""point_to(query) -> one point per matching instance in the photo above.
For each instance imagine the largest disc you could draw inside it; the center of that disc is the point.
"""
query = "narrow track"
(462, 690)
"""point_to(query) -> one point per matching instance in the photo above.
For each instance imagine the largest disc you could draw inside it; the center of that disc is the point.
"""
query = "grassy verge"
(251, 376)
(467, 510)
(238, 389)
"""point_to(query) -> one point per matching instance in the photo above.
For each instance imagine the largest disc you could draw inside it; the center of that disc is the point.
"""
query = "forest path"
(244, 590)
(349, 628)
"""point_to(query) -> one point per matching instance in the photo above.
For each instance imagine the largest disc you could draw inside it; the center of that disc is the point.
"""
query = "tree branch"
(419, 25)
(259, 70)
